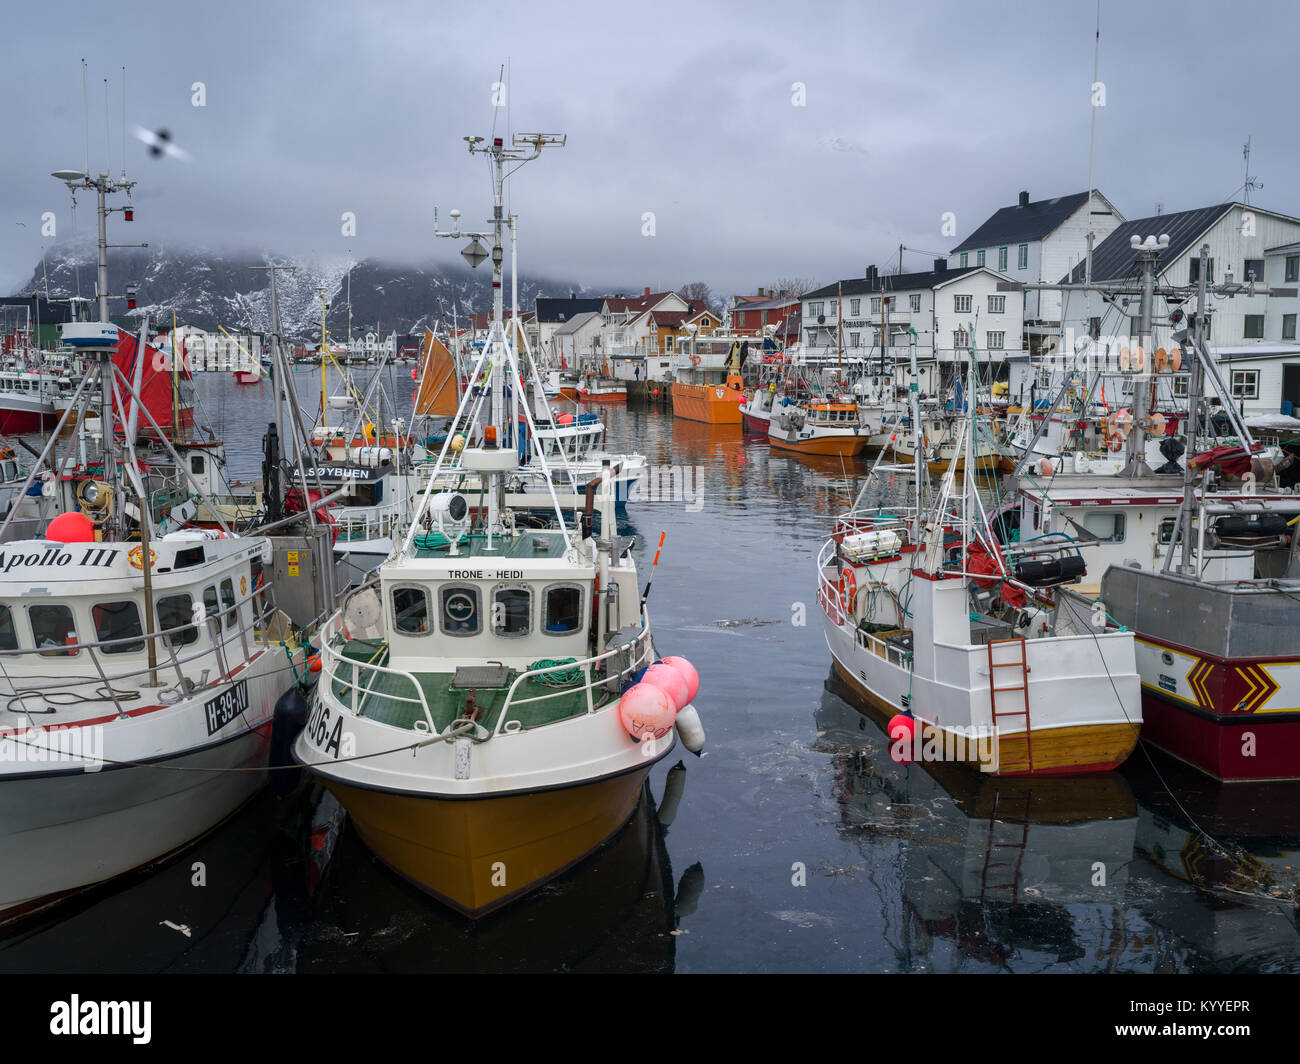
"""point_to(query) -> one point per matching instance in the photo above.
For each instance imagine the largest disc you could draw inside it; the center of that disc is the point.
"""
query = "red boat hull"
(754, 424)
(1233, 748)
(24, 422)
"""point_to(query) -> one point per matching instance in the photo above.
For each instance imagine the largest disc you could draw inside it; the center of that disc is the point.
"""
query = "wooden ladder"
(1023, 687)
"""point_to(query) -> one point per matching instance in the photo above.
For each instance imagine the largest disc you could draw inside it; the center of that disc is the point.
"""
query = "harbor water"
(794, 844)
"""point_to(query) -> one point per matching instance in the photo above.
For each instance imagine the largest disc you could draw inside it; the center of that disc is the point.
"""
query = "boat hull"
(25, 421)
(755, 422)
(478, 854)
(63, 832)
(843, 446)
(712, 404)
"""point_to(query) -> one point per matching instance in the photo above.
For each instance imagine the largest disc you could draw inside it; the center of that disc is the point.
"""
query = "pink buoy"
(688, 673)
(646, 712)
(670, 682)
(71, 527)
(902, 736)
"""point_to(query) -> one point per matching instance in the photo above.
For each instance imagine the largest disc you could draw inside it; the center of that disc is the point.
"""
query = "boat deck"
(390, 699)
(530, 544)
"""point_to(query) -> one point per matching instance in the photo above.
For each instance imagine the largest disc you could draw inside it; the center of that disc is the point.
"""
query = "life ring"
(848, 590)
(1116, 441)
(695, 360)
(1175, 359)
(1156, 425)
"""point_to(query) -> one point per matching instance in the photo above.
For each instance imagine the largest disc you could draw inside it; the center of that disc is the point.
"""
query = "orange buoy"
(1139, 359)
(313, 663)
(1175, 359)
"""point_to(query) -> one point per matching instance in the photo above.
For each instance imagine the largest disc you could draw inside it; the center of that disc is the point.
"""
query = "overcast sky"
(688, 110)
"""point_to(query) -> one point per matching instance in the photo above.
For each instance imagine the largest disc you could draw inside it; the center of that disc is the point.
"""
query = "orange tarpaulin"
(438, 395)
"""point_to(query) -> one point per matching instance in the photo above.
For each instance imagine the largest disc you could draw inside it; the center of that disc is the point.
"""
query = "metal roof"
(898, 282)
(1020, 225)
(1115, 259)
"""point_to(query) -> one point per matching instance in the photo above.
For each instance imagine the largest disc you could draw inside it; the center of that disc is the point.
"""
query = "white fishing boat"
(929, 618)
(482, 714)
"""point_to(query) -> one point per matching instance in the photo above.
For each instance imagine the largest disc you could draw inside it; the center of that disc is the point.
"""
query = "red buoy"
(72, 527)
(902, 736)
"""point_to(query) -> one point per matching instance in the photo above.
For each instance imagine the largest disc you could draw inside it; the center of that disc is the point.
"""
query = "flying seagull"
(160, 144)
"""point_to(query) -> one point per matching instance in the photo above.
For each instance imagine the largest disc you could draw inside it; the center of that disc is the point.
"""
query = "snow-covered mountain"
(209, 289)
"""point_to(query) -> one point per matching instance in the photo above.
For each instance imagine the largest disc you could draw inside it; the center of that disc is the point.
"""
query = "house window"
(668, 344)
(875, 304)
(855, 307)
(411, 610)
(914, 301)
(964, 259)
(814, 310)
(1254, 327)
(1002, 260)
(832, 308)
(1293, 268)
(118, 620)
(1194, 271)
(961, 304)
(1253, 269)
(960, 338)
(1245, 384)
(855, 339)
(1288, 326)
(1181, 385)
(997, 304)
(993, 340)
(979, 258)
(1022, 257)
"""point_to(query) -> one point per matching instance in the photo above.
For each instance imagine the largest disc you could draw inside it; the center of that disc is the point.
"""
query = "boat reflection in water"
(1017, 874)
(286, 886)
(1230, 854)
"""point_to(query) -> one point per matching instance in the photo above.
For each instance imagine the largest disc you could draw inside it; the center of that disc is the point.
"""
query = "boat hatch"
(471, 676)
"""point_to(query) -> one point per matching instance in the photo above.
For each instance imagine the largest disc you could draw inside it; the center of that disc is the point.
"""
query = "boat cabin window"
(1106, 526)
(197, 464)
(1167, 529)
(8, 633)
(174, 611)
(52, 626)
(228, 601)
(188, 557)
(411, 610)
(511, 611)
(118, 620)
(210, 607)
(367, 494)
(10, 471)
(563, 609)
(459, 610)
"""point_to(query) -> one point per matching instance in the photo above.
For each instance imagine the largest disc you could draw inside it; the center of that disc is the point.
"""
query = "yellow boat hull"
(478, 854)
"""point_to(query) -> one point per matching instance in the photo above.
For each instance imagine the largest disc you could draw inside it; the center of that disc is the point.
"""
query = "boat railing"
(335, 661)
(249, 632)
(635, 654)
(375, 523)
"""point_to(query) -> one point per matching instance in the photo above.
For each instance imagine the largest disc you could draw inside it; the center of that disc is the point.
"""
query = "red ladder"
(1023, 687)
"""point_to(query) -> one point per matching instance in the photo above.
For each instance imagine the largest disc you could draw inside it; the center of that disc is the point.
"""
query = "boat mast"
(1195, 386)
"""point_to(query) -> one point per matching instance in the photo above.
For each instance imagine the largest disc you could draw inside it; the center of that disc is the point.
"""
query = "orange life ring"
(1125, 359)
(1116, 441)
(695, 360)
(848, 590)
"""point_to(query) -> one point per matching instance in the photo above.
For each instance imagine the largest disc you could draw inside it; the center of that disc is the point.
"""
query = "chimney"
(1024, 199)
(940, 265)
(870, 274)
(760, 292)
(647, 291)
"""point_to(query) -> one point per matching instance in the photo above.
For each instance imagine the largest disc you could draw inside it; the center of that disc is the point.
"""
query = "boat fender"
(289, 718)
(646, 712)
(690, 730)
(902, 737)
(688, 674)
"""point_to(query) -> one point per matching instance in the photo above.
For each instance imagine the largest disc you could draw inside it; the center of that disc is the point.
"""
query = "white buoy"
(690, 730)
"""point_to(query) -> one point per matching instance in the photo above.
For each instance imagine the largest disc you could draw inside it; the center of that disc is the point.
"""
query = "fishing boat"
(490, 706)
(141, 671)
(828, 427)
(929, 619)
(1216, 613)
